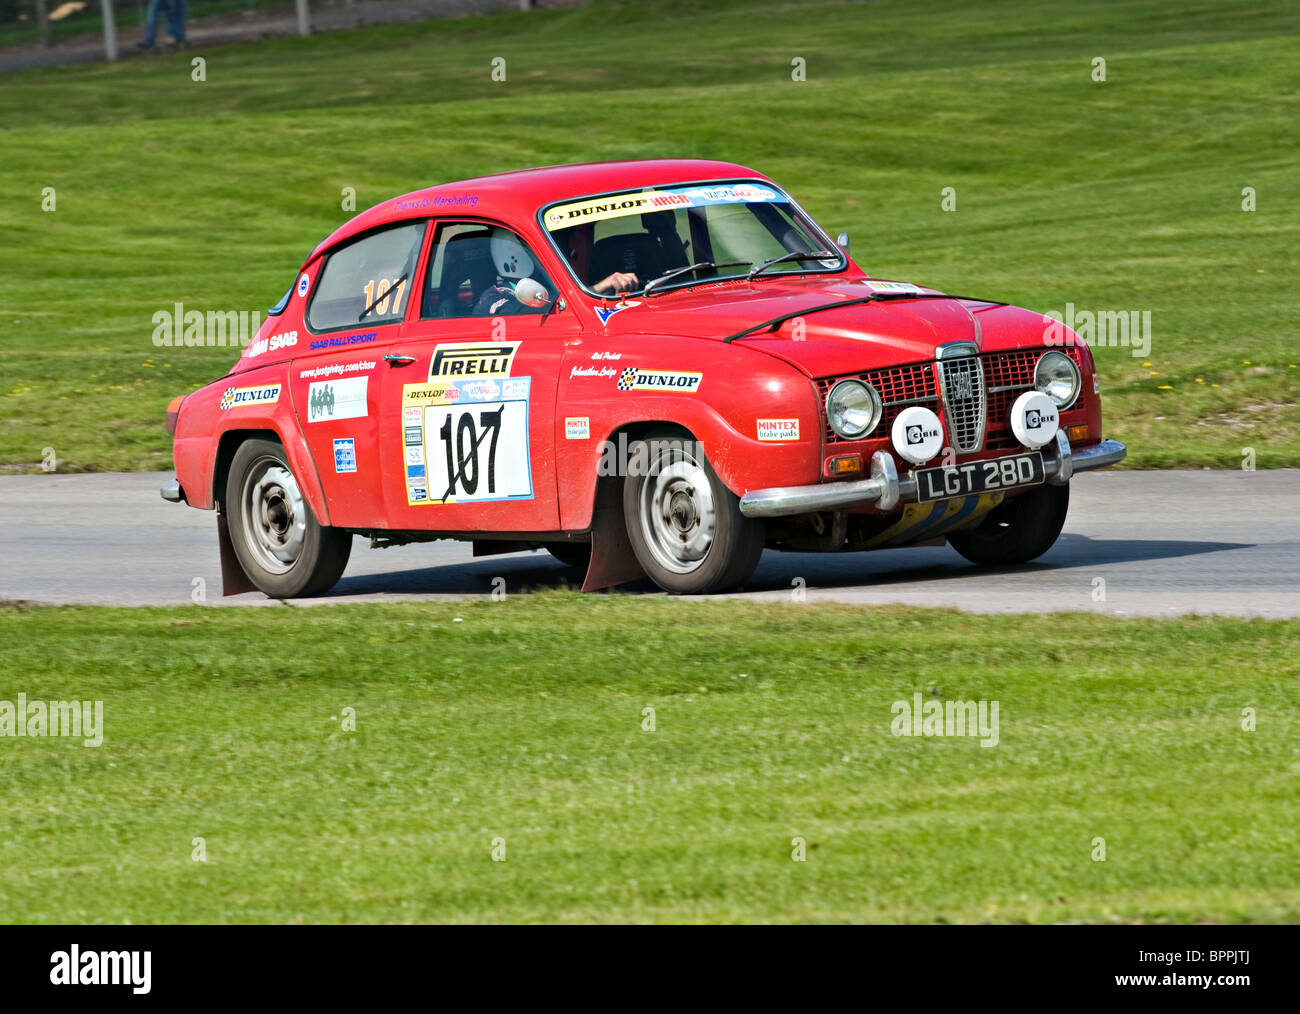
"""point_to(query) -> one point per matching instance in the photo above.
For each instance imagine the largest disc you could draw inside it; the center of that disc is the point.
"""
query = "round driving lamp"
(1058, 378)
(853, 409)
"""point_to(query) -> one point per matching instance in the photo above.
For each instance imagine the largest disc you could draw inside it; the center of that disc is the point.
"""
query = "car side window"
(368, 280)
(474, 269)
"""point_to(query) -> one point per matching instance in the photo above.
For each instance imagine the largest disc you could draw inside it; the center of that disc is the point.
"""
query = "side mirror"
(531, 292)
(842, 241)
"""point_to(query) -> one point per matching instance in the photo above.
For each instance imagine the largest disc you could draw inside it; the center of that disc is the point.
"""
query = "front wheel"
(1017, 530)
(283, 549)
(684, 525)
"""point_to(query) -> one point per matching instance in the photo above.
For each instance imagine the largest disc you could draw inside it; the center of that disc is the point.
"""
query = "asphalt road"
(1136, 543)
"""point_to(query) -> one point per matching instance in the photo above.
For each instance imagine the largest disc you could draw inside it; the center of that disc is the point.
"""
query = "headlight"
(853, 409)
(1058, 378)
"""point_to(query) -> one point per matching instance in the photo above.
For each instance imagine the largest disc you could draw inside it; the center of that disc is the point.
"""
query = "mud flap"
(612, 560)
(233, 579)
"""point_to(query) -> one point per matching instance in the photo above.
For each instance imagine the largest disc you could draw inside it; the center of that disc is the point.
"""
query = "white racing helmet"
(511, 258)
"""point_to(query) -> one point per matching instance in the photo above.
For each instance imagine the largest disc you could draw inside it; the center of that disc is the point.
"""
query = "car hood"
(829, 342)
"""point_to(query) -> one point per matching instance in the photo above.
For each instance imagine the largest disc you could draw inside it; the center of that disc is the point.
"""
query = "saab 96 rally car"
(650, 368)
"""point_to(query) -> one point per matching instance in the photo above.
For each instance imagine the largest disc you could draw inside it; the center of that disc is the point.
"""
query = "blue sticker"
(345, 455)
(342, 341)
(605, 312)
(415, 471)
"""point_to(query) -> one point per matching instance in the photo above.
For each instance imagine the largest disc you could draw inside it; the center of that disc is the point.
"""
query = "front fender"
(599, 416)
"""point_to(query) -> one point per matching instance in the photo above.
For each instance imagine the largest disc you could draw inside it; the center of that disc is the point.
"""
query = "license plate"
(979, 477)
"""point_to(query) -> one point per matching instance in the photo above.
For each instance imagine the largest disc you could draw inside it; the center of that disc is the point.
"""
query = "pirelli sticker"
(467, 362)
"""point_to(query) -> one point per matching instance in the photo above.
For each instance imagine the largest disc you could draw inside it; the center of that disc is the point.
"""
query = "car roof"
(517, 196)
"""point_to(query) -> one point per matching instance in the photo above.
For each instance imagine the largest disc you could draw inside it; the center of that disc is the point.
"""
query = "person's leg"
(151, 25)
(165, 8)
(176, 20)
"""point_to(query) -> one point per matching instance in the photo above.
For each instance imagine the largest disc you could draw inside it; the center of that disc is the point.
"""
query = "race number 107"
(462, 444)
(478, 451)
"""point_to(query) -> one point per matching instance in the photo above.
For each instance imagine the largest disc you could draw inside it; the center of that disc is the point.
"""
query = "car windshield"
(619, 243)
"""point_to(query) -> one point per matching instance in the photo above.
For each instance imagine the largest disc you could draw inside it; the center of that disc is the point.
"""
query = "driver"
(661, 227)
(617, 284)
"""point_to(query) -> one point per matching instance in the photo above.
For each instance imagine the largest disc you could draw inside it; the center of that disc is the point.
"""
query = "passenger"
(513, 263)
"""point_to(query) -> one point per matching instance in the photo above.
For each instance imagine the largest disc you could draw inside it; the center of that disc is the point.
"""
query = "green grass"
(524, 722)
(1117, 195)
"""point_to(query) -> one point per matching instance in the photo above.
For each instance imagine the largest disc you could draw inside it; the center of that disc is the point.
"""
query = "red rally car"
(650, 368)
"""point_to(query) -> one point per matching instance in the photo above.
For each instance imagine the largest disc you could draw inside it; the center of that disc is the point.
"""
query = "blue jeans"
(175, 20)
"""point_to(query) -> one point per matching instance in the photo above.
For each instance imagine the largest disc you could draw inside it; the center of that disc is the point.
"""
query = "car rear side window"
(368, 281)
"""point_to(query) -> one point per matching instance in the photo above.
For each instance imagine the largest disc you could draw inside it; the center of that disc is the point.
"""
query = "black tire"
(1018, 530)
(571, 554)
(267, 515)
(668, 516)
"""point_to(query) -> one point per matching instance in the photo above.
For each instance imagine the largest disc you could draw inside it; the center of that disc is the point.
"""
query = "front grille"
(898, 386)
(963, 401)
(995, 380)
(1008, 376)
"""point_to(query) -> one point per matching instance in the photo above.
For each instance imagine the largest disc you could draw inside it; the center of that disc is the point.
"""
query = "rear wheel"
(283, 549)
(684, 525)
(1017, 530)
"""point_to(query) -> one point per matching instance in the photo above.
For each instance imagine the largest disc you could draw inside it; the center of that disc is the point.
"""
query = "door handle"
(393, 359)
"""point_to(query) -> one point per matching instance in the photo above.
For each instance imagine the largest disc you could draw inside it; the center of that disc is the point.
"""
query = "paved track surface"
(1136, 543)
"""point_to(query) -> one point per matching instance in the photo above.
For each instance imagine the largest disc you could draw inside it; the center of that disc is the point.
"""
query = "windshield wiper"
(382, 296)
(697, 266)
(812, 255)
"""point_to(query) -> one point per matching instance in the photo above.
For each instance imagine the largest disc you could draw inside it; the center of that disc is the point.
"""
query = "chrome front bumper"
(886, 489)
(171, 491)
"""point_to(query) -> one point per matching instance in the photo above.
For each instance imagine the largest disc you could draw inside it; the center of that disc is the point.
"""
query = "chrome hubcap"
(275, 517)
(677, 512)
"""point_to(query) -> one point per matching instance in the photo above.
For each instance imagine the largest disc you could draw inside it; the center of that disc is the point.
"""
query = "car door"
(467, 436)
(353, 316)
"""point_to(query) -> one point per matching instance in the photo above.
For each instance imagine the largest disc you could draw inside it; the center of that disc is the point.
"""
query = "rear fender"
(300, 463)
(207, 436)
